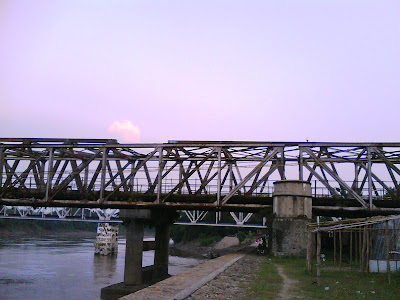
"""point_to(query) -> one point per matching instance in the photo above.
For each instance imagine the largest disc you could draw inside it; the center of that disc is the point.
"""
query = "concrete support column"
(161, 254)
(292, 199)
(292, 206)
(136, 277)
(134, 221)
(133, 253)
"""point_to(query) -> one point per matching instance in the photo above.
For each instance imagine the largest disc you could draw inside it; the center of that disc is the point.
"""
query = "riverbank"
(234, 282)
(223, 246)
(21, 227)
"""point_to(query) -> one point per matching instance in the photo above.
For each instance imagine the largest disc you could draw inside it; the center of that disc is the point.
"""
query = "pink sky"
(201, 70)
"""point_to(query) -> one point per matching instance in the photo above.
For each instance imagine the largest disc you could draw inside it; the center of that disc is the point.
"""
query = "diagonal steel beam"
(251, 174)
(375, 177)
(73, 175)
(121, 172)
(139, 165)
(94, 177)
(205, 180)
(187, 175)
(386, 161)
(336, 177)
(322, 180)
(113, 177)
(263, 179)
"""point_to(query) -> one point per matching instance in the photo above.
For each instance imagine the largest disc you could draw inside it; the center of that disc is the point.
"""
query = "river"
(63, 266)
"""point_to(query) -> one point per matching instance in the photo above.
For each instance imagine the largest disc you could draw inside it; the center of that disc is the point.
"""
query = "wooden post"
(360, 248)
(309, 252)
(364, 249)
(355, 246)
(319, 258)
(312, 250)
(387, 249)
(334, 248)
(340, 249)
(351, 249)
(368, 247)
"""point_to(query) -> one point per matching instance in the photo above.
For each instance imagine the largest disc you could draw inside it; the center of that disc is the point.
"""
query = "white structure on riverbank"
(107, 239)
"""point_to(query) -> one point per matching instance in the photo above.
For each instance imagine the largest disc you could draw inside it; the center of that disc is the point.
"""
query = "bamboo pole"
(334, 248)
(351, 249)
(355, 247)
(364, 249)
(318, 258)
(312, 250)
(368, 248)
(340, 250)
(387, 249)
(309, 251)
(360, 249)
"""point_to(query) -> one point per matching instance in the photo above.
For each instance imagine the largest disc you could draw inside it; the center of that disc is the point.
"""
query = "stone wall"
(289, 236)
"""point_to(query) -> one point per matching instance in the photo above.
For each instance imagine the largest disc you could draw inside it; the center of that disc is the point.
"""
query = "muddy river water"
(64, 266)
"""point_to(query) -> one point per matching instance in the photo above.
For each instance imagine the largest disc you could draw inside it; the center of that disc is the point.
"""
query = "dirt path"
(288, 285)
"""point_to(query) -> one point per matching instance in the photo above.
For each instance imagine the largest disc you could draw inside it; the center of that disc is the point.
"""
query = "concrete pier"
(292, 206)
(133, 253)
(161, 253)
(135, 276)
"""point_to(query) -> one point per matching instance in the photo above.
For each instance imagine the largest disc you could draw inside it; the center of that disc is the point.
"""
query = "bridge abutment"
(292, 206)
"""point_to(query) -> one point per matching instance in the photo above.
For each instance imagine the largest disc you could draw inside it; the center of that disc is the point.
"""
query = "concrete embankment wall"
(184, 284)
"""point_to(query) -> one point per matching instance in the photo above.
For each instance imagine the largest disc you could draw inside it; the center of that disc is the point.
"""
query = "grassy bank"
(335, 284)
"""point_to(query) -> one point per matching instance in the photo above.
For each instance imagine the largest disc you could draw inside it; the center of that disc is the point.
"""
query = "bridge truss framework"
(190, 175)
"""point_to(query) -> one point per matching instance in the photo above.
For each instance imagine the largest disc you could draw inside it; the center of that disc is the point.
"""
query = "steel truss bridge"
(98, 215)
(195, 176)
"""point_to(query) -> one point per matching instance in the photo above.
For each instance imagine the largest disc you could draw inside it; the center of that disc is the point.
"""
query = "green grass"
(267, 284)
(335, 284)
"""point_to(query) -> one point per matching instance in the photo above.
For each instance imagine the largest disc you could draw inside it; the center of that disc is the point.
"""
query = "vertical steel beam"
(86, 179)
(281, 165)
(301, 163)
(1, 165)
(160, 169)
(103, 173)
(356, 174)
(180, 176)
(40, 165)
(230, 177)
(131, 181)
(49, 172)
(219, 176)
(369, 177)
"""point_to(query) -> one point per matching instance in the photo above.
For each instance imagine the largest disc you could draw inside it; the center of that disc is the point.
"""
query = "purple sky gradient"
(201, 70)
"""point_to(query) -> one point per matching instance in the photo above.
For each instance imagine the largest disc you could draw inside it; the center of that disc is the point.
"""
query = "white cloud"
(129, 132)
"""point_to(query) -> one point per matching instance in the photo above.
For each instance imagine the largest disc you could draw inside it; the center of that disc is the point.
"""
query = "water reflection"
(104, 266)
